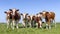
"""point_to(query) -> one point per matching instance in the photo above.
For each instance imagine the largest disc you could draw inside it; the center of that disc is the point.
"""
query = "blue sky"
(30, 6)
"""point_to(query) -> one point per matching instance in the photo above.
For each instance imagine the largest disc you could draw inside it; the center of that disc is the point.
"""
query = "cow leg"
(17, 24)
(8, 23)
(49, 24)
(40, 24)
(30, 23)
(13, 24)
(46, 26)
(33, 23)
(23, 23)
(26, 23)
(54, 23)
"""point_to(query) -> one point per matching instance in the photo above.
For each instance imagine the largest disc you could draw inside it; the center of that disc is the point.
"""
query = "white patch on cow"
(23, 23)
(49, 26)
(31, 16)
(14, 11)
(24, 15)
(44, 12)
(40, 24)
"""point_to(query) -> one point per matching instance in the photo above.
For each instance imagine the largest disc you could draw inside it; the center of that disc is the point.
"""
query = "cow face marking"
(31, 17)
(14, 11)
(44, 12)
(24, 15)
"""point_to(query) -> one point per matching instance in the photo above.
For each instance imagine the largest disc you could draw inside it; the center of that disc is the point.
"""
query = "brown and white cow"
(8, 18)
(49, 16)
(14, 15)
(26, 19)
(33, 20)
(36, 19)
(39, 20)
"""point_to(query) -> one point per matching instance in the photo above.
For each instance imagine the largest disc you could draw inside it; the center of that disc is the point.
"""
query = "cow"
(36, 19)
(33, 20)
(15, 17)
(48, 16)
(26, 19)
(39, 20)
(8, 18)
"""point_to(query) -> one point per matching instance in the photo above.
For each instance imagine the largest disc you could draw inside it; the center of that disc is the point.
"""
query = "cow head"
(32, 17)
(14, 11)
(24, 15)
(8, 13)
(39, 14)
(43, 13)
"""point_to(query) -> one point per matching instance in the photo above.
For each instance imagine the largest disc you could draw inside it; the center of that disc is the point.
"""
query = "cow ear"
(5, 12)
(10, 9)
(37, 14)
(27, 14)
(40, 13)
(21, 14)
(17, 10)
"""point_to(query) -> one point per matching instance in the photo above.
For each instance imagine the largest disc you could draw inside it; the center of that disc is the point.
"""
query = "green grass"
(4, 30)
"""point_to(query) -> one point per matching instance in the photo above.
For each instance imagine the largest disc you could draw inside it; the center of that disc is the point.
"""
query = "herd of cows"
(13, 16)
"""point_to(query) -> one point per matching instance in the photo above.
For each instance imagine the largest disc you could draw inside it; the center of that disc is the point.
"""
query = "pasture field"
(4, 30)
